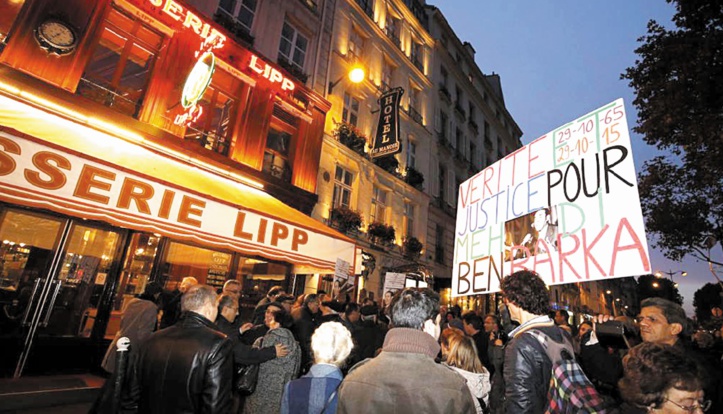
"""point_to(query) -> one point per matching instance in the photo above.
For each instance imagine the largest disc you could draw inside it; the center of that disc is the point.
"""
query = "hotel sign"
(386, 141)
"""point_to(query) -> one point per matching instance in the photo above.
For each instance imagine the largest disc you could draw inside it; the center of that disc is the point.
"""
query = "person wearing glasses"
(661, 379)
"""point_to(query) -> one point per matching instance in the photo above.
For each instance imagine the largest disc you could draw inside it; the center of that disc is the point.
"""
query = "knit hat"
(369, 310)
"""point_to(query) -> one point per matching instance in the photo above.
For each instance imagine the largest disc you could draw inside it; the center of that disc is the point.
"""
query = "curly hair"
(526, 289)
(651, 369)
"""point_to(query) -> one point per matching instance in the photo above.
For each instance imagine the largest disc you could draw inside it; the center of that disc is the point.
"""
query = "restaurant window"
(257, 277)
(276, 154)
(120, 66)
(379, 206)
(343, 179)
(209, 267)
(350, 113)
(408, 219)
(292, 46)
(213, 129)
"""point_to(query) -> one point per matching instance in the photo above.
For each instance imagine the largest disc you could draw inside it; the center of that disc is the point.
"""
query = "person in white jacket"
(461, 353)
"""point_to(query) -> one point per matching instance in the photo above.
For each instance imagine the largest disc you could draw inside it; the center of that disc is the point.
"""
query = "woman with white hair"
(315, 392)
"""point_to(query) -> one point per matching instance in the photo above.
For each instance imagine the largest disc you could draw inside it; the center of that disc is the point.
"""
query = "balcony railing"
(419, 65)
(227, 20)
(293, 69)
(459, 110)
(366, 6)
(118, 100)
(444, 94)
(312, 5)
(393, 36)
(416, 116)
(473, 125)
(383, 87)
(444, 142)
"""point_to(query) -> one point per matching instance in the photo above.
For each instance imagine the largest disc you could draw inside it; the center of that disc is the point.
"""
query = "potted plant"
(380, 233)
(412, 248)
(350, 136)
(346, 219)
(414, 178)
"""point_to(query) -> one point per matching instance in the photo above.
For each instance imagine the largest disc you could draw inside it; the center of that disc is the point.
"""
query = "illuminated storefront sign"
(190, 20)
(196, 84)
(268, 72)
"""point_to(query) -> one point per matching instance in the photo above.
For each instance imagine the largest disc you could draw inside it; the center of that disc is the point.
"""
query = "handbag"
(246, 378)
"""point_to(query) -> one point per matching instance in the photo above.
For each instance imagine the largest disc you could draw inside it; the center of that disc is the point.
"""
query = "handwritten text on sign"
(565, 206)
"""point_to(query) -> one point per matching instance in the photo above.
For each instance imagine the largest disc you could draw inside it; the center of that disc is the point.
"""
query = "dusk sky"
(562, 59)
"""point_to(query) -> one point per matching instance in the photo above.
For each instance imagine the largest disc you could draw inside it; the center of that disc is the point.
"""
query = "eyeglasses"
(703, 405)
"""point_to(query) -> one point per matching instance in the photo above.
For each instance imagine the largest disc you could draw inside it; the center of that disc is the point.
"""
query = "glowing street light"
(355, 75)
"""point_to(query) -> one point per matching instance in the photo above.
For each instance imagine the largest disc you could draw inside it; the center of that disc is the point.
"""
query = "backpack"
(570, 390)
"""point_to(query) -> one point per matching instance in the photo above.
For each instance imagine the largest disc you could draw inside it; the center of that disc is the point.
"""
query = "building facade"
(382, 203)
(148, 140)
(472, 130)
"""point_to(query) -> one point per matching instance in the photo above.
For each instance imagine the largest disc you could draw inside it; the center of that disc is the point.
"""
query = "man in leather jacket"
(186, 368)
(527, 369)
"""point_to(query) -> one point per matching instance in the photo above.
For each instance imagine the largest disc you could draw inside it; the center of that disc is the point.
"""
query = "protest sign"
(394, 281)
(566, 206)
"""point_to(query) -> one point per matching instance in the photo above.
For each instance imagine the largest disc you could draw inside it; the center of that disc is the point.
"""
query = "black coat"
(527, 372)
(186, 368)
(482, 341)
(242, 353)
(368, 337)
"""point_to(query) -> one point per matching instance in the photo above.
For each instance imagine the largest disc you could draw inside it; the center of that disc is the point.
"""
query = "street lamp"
(356, 75)
(671, 273)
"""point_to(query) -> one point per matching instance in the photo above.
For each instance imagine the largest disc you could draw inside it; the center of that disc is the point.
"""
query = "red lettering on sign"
(7, 163)
(42, 161)
(88, 181)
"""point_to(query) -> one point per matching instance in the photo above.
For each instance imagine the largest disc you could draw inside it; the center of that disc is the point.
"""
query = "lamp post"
(355, 75)
(671, 273)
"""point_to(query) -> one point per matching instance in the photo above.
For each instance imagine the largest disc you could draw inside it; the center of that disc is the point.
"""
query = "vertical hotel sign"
(386, 140)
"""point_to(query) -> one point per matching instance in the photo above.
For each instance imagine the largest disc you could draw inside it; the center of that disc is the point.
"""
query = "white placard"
(566, 206)
(394, 281)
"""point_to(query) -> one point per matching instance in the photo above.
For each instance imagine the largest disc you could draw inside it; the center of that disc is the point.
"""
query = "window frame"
(341, 186)
(293, 46)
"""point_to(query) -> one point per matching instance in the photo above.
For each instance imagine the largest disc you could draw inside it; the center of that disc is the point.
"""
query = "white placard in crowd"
(566, 206)
(394, 282)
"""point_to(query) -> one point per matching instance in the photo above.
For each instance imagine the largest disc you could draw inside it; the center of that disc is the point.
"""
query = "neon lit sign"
(198, 80)
(190, 21)
(196, 84)
(270, 73)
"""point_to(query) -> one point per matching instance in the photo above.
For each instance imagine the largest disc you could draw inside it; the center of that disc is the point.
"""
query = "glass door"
(29, 247)
(54, 272)
(66, 329)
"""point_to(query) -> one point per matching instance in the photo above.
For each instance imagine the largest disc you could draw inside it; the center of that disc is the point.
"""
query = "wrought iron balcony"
(416, 116)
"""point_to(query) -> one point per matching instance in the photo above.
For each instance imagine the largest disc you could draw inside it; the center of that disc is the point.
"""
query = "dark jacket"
(305, 323)
(527, 369)
(186, 368)
(137, 324)
(482, 341)
(367, 339)
(244, 354)
(405, 379)
(171, 307)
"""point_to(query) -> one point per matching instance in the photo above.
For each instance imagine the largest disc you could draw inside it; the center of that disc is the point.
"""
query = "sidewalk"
(62, 394)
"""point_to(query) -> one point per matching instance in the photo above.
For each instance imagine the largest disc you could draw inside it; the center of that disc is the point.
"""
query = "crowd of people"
(407, 354)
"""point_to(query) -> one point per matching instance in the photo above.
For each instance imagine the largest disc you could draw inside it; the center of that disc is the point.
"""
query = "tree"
(678, 81)
(706, 298)
(650, 286)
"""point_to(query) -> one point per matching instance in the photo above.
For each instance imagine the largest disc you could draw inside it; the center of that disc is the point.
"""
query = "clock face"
(57, 36)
